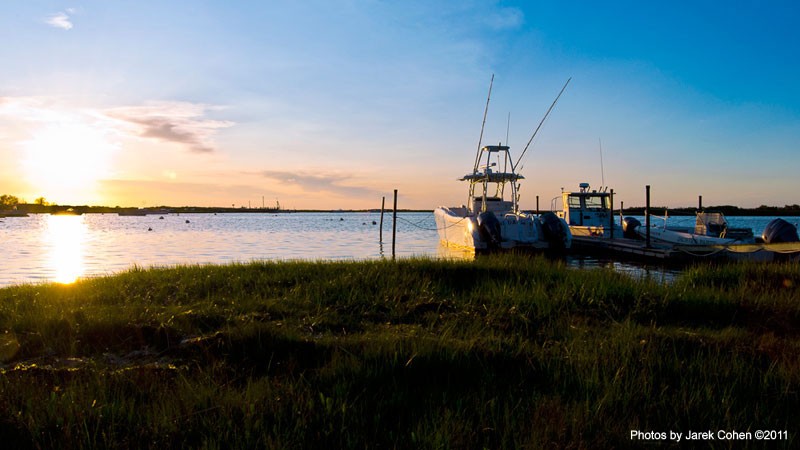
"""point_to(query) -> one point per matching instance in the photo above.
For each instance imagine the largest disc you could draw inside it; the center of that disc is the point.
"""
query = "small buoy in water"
(187, 221)
(374, 223)
(161, 218)
(150, 229)
(341, 219)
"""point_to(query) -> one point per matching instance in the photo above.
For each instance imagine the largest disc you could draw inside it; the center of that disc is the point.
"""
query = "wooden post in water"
(611, 217)
(647, 214)
(380, 233)
(394, 222)
(537, 205)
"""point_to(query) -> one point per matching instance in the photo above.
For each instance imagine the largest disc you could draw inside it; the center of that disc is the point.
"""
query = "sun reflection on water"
(66, 236)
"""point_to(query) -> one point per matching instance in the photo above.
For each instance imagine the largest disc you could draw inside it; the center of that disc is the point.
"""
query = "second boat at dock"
(590, 216)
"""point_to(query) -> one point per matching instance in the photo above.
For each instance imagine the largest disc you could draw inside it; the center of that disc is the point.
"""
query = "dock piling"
(380, 233)
(611, 216)
(394, 222)
(647, 214)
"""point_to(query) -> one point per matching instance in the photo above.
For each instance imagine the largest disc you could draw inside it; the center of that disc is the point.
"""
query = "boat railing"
(664, 218)
(554, 204)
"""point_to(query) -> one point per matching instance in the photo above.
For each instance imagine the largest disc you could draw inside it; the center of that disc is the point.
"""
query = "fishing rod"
(508, 126)
(540, 123)
(485, 112)
(602, 172)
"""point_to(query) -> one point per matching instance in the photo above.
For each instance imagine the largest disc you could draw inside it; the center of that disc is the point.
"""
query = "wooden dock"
(635, 248)
(623, 247)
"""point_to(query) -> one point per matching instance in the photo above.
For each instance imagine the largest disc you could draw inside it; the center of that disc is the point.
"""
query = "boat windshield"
(588, 202)
(597, 202)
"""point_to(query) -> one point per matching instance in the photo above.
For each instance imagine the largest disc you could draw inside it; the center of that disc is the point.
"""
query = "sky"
(329, 104)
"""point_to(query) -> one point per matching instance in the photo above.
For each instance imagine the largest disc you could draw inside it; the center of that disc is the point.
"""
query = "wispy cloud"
(60, 19)
(177, 122)
(319, 183)
(506, 18)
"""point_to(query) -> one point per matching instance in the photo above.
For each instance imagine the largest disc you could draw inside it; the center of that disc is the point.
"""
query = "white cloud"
(506, 18)
(178, 122)
(60, 20)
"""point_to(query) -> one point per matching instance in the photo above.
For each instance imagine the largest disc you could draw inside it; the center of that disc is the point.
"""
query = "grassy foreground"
(505, 352)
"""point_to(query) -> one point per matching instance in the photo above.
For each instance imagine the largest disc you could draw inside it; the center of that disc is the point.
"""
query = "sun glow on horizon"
(65, 161)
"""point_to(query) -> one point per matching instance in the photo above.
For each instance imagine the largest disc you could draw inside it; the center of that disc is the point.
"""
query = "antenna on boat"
(485, 112)
(508, 126)
(602, 171)
(542, 122)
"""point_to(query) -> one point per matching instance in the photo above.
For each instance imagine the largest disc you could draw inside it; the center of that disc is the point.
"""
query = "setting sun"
(68, 159)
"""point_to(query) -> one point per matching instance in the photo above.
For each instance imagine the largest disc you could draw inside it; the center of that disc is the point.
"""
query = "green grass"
(503, 352)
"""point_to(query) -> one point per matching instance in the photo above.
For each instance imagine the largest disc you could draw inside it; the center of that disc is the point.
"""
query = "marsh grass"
(504, 352)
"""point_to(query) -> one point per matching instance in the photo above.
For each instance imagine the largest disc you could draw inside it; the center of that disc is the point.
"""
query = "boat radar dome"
(584, 187)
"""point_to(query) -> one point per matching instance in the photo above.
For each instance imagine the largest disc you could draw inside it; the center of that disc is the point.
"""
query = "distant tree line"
(728, 210)
(11, 201)
(41, 205)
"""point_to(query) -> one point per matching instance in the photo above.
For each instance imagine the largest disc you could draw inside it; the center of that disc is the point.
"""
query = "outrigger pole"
(485, 112)
(540, 123)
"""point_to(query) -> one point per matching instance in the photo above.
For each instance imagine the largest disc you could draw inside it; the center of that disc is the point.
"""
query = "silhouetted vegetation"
(8, 200)
(728, 210)
(503, 352)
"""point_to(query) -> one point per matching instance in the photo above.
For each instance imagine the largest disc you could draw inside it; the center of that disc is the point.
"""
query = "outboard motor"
(779, 230)
(629, 226)
(553, 230)
(489, 228)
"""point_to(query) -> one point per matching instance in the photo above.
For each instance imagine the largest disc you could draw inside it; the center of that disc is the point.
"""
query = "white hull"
(682, 238)
(459, 228)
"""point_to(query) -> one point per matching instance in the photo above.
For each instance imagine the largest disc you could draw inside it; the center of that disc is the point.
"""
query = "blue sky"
(332, 104)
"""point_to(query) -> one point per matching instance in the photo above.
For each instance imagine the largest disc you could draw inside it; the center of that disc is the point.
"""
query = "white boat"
(589, 213)
(711, 228)
(492, 219)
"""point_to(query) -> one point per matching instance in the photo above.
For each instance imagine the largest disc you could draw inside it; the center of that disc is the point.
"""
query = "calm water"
(63, 248)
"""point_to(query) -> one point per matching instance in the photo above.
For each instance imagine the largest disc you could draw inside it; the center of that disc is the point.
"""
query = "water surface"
(43, 247)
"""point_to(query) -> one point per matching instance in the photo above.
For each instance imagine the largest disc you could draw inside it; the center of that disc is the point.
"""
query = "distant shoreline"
(83, 209)
(728, 210)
